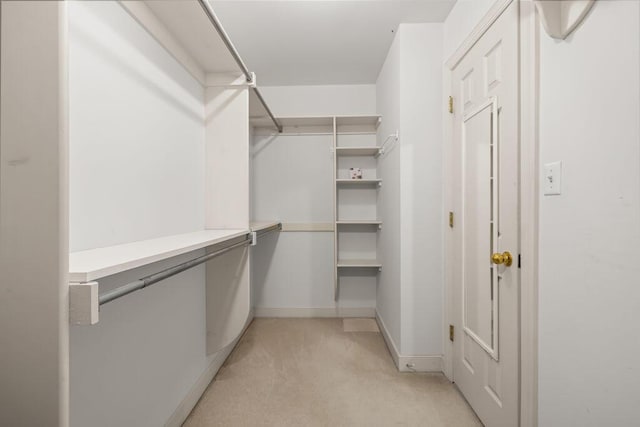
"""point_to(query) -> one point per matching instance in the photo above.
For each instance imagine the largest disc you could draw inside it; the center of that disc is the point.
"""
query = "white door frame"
(529, 178)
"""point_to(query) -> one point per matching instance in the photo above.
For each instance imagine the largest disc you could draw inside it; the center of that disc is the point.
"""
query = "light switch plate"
(552, 177)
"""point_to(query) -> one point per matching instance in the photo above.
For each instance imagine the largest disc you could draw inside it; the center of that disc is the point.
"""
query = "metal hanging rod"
(165, 274)
(208, 10)
(264, 231)
(266, 107)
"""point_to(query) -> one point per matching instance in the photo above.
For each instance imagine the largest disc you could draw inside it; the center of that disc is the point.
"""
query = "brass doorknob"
(504, 258)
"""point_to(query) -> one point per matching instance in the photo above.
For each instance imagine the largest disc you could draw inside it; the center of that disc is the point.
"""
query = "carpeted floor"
(309, 372)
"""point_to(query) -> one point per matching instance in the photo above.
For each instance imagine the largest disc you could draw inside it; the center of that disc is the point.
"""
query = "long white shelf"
(358, 222)
(358, 181)
(258, 226)
(358, 121)
(357, 151)
(301, 124)
(85, 266)
(359, 263)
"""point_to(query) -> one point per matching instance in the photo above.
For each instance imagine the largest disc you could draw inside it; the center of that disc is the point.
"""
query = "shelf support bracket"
(83, 303)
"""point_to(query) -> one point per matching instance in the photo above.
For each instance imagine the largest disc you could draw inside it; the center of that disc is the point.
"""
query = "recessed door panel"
(479, 279)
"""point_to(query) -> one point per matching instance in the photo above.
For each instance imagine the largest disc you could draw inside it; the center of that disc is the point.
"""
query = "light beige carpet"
(360, 325)
(310, 372)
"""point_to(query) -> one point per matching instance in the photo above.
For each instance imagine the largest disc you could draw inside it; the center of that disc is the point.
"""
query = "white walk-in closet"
(319, 213)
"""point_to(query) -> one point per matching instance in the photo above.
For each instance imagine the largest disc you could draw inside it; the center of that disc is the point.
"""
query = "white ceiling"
(308, 42)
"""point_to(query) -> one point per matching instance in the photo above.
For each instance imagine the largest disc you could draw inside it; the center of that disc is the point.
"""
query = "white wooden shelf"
(345, 125)
(85, 266)
(358, 181)
(185, 31)
(258, 226)
(347, 121)
(357, 151)
(359, 263)
(359, 222)
(301, 124)
(302, 121)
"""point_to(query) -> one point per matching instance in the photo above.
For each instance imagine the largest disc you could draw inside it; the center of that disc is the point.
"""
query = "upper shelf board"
(258, 226)
(358, 120)
(358, 181)
(358, 263)
(92, 264)
(311, 124)
(357, 151)
(306, 121)
(191, 28)
(358, 222)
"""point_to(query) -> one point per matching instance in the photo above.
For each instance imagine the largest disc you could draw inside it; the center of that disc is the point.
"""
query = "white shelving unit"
(187, 31)
(356, 220)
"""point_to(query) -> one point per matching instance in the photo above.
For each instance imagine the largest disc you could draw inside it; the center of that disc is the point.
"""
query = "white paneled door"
(485, 244)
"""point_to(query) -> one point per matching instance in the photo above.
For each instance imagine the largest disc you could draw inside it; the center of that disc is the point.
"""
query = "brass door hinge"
(451, 219)
(451, 104)
(451, 332)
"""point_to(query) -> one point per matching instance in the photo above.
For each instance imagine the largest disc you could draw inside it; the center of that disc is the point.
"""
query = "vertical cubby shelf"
(355, 202)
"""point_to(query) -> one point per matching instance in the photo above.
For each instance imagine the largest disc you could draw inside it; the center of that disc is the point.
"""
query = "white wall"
(590, 235)
(411, 285)
(388, 100)
(292, 181)
(137, 172)
(421, 189)
(462, 19)
(34, 356)
(321, 100)
(136, 131)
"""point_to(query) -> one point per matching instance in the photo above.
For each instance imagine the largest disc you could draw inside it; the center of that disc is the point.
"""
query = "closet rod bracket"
(84, 303)
(253, 83)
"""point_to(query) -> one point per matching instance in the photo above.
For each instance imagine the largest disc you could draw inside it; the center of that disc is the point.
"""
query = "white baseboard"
(422, 363)
(191, 399)
(316, 312)
(395, 354)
